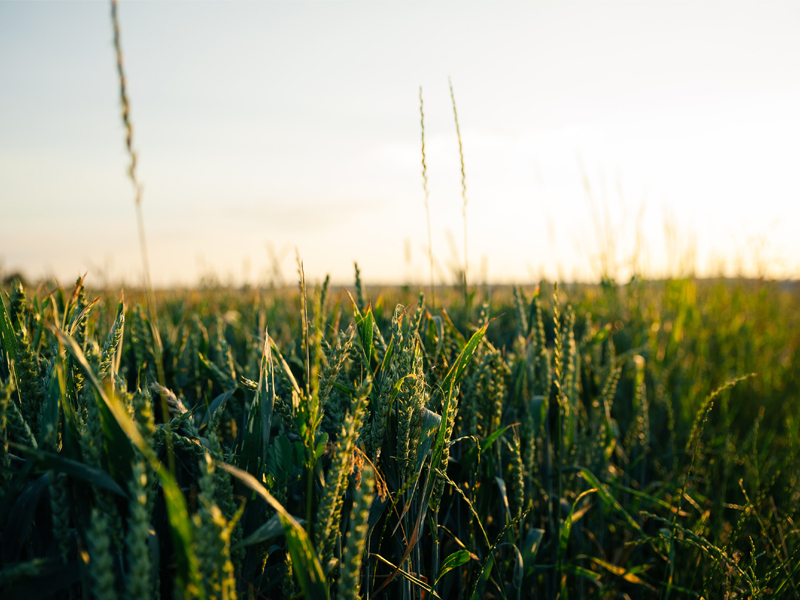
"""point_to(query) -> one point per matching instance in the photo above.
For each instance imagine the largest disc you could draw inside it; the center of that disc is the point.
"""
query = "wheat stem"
(463, 186)
(425, 189)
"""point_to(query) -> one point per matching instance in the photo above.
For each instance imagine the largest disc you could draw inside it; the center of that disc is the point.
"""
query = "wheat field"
(594, 441)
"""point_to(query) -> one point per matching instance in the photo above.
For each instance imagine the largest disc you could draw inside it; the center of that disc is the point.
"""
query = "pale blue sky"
(297, 124)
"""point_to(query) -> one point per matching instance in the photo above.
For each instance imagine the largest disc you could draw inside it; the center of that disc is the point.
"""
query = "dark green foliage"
(598, 449)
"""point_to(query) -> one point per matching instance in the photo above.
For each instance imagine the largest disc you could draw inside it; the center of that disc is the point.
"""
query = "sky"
(598, 137)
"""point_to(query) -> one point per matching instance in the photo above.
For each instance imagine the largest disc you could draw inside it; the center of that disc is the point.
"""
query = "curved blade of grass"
(592, 576)
(533, 541)
(628, 575)
(285, 366)
(271, 529)
(609, 499)
(415, 580)
(455, 560)
(306, 564)
(566, 529)
(519, 566)
(73, 468)
(501, 485)
(460, 339)
(76, 320)
(462, 361)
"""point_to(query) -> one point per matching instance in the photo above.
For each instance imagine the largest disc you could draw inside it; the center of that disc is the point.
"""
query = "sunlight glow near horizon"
(297, 125)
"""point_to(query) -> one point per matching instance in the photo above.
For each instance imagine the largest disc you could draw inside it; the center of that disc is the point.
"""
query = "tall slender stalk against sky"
(137, 187)
(126, 120)
(427, 195)
(463, 181)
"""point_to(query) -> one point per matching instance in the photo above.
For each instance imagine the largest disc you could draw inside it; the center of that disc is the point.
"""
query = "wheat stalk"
(138, 578)
(101, 560)
(355, 541)
(463, 185)
(425, 189)
(158, 347)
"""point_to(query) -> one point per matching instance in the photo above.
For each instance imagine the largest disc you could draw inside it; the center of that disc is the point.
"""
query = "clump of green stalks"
(584, 442)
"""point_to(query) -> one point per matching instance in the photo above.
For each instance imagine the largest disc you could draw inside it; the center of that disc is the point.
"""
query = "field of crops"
(636, 441)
